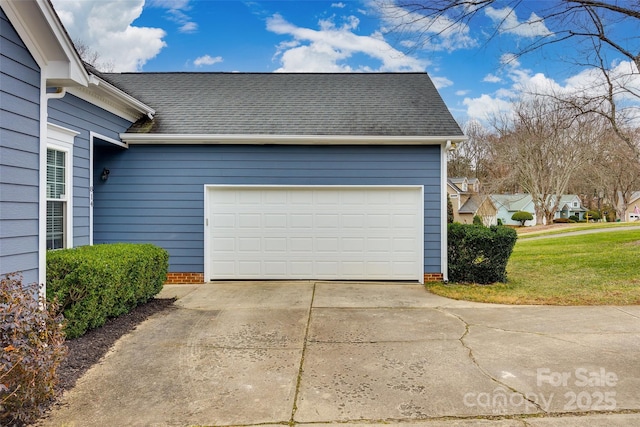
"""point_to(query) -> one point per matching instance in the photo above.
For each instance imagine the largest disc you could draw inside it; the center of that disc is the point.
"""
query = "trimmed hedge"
(478, 254)
(94, 283)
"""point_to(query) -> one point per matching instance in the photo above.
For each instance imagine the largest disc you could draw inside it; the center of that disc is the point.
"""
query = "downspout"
(60, 92)
(45, 96)
(447, 147)
(444, 149)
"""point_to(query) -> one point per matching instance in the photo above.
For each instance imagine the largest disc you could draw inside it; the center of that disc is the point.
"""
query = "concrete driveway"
(317, 353)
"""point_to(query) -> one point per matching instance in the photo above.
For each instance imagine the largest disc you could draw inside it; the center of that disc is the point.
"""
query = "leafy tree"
(449, 210)
(522, 216)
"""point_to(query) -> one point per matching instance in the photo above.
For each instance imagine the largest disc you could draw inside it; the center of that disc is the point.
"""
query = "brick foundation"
(198, 278)
(433, 277)
(184, 278)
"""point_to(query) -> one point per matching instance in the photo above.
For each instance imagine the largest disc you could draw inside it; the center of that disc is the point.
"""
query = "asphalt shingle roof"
(349, 104)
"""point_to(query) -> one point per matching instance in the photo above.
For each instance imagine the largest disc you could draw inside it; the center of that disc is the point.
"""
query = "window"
(56, 198)
(59, 187)
(575, 204)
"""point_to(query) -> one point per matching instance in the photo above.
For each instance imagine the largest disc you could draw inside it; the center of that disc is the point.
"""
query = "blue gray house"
(53, 113)
(238, 176)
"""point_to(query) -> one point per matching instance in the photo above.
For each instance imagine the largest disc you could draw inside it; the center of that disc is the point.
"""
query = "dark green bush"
(477, 220)
(478, 254)
(574, 218)
(522, 216)
(32, 343)
(94, 283)
(561, 221)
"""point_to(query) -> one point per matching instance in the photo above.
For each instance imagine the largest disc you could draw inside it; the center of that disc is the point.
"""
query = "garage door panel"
(272, 220)
(356, 233)
(303, 221)
(249, 268)
(301, 244)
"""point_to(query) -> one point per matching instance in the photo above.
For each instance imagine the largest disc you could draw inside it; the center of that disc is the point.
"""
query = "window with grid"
(56, 198)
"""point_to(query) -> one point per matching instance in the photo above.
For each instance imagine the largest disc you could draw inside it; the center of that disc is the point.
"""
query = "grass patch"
(591, 269)
(528, 232)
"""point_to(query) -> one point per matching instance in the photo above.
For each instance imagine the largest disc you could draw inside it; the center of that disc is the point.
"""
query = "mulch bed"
(87, 350)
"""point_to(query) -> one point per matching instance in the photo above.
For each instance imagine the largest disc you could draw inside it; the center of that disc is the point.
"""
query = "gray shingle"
(385, 104)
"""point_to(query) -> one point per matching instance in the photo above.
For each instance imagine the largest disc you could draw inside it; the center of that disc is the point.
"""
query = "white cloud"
(437, 34)
(491, 78)
(588, 83)
(440, 82)
(328, 49)
(510, 59)
(486, 106)
(207, 60)
(189, 27)
(507, 22)
(339, 5)
(176, 14)
(106, 27)
(462, 92)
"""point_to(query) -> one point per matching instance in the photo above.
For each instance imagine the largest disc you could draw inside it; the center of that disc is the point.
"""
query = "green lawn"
(592, 269)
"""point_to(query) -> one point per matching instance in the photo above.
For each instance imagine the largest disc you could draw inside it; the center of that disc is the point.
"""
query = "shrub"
(477, 220)
(574, 218)
(522, 216)
(593, 215)
(479, 254)
(500, 221)
(561, 221)
(94, 283)
(33, 347)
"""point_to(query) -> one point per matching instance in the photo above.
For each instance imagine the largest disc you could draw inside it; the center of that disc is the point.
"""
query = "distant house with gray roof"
(468, 202)
(570, 206)
(508, 204)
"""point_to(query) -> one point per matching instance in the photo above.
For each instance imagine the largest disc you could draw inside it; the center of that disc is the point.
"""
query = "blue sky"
(473, 76)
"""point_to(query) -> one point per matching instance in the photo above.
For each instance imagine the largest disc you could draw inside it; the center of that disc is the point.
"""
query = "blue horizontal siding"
(81, 116)
(155, 193)
(19, 155)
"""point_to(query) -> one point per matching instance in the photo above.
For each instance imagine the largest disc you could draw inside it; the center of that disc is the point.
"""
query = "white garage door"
(302, 232)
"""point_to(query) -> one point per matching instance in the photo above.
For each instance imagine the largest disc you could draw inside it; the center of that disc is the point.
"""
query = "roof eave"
(46, 39)
(257, 139)
(113, 99)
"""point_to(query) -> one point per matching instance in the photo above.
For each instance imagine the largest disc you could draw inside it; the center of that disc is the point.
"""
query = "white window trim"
(62, 139)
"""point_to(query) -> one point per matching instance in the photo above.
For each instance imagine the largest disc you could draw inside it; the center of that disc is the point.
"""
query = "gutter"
(257, 139)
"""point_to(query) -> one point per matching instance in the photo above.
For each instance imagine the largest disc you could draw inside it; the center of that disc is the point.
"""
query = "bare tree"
(590, 25)
(92, 57)
(545, 145)
(614, 174)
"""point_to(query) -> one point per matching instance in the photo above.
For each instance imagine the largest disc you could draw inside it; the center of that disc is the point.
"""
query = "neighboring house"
(508, 204)
(570, 205)
(467, 202)
(238, 176)
(633, 208)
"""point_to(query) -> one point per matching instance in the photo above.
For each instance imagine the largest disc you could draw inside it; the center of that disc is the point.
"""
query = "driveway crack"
(473, 360)
(626, 312)
(304, 352)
